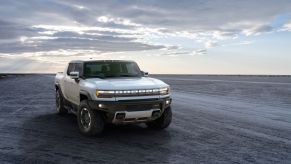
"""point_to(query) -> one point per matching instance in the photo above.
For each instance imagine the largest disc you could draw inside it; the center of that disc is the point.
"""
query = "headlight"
(164, 91)
(105, 93)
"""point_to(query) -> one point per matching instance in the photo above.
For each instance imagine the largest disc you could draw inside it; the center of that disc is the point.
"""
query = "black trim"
(57, 85)
(83, 92)
(111, 107)
(68, 105)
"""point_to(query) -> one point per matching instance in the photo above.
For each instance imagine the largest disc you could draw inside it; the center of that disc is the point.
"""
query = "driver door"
(67, 81)
(75, 88)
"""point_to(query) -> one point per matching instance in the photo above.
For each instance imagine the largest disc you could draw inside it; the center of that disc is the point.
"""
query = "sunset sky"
(165, 36)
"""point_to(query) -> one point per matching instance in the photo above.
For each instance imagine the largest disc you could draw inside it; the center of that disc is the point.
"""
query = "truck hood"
(126, 83)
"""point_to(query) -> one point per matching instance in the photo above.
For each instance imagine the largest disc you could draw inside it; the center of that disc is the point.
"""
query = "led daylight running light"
(164, 91)
(112, 93)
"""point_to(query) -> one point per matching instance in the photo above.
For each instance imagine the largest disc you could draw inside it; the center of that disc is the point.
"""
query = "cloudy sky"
(165, 36)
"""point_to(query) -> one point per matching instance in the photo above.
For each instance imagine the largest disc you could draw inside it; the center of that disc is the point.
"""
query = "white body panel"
(71, 88)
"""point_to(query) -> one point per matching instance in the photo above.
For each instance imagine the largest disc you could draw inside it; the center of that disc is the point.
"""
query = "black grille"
(138, 107)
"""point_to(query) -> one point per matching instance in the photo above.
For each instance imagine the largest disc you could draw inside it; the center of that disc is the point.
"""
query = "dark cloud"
(103, 43)
(23, 24)
(10, 30)
(260, 29)
(192, 15)
(125, 22)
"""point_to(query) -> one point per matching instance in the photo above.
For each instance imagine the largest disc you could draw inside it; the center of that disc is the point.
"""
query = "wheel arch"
(84, 95)
(57, 87)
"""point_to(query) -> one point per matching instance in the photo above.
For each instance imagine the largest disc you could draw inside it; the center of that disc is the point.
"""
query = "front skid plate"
(135, 116)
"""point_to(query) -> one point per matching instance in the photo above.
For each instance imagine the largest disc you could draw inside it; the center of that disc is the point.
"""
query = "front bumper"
(130, 111)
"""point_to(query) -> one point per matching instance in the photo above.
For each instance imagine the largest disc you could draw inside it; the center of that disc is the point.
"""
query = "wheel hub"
(85, 118)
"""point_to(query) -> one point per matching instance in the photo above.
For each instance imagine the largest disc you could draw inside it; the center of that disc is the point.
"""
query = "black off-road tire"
(97, 122)
(162, 122)
(60, 103)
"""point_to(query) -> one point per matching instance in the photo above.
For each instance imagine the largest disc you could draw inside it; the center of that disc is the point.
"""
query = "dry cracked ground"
(216, 119)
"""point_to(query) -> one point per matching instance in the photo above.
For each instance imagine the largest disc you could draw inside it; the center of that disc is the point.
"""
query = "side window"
(132, 68)
(78, 68)
(70, 68)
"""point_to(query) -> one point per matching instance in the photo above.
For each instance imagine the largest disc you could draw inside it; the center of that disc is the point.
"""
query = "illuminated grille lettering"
(142, 92)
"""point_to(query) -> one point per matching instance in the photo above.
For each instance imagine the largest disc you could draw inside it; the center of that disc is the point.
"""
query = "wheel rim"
(85, 118)
(58, 101)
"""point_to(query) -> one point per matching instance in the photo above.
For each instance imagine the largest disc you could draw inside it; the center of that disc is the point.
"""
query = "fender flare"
(57, 85)
(86, 93)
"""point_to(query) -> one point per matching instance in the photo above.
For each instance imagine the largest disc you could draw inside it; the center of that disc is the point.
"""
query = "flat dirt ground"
(216, 119)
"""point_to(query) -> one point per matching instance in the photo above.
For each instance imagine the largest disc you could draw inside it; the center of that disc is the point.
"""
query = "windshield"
(111, 69)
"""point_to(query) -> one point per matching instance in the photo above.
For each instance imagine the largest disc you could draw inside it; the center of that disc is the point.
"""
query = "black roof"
(83, 61)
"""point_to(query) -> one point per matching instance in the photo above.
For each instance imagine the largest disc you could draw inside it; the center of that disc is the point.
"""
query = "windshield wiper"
(96, 76)
(128, 75)
(113, 75)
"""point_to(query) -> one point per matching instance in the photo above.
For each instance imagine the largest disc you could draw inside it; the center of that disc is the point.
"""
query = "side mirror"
(74, 75)
(145, 74)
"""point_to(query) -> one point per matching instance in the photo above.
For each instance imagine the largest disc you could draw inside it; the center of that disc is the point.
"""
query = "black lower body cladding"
(111, 107)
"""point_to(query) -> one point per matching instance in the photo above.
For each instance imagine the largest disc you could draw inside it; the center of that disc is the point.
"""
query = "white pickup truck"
(112, 91)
